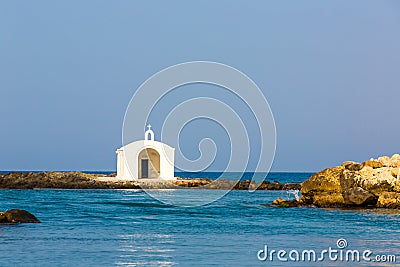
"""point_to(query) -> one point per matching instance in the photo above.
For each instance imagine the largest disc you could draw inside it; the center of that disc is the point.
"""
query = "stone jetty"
(79, 180)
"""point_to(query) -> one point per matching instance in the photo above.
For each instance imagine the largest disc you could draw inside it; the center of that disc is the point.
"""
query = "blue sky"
(329, 69)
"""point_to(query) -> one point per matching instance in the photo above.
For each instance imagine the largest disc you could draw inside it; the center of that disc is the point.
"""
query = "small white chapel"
(148, 159)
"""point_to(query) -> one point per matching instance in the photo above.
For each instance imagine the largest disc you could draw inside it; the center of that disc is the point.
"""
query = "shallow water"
(129, 228)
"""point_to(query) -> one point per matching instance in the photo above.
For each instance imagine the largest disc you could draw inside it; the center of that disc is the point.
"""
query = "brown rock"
(278, 201)
(354, 184)
(306, 200)
(327, 180)
(291, 186)
(328, 200)
(3, 218)
(349, 179)
(389, 200)
(285, 203)
(19, 216)
(352, 165)
(372, 163)
(358, 197)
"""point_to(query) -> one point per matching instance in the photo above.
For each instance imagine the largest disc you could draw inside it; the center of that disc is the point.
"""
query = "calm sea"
(129, 228)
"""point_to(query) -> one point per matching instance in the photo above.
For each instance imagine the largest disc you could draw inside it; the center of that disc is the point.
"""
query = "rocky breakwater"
(66, 180)
(226, 184)
(373, 183)
(220, 184)
(79, 180)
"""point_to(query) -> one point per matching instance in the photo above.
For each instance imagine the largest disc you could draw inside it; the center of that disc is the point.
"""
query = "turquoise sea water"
(129, 228)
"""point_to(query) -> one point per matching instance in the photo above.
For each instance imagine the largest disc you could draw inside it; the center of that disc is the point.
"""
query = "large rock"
(389, 200)
(358, 197)
(323, 189)
(327, 180)
(17, 216)
(354, 184)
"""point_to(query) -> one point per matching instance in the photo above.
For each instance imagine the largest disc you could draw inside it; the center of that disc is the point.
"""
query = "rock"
(389, 200)
(68, 180)
(386, 161)
(358, 197)
(328, 200)
(396, 160)
(306, 199)
(3, 218)
(372, 163)
(345, 163)
(278, 201)
(323, 189)
(243, 185)
(79, 180)
(354, 184)
(291, 186)
(327, 180)
(352, 165)
(17, 216)
(377, 181)
(395, 173)
(285, 203)
(349, 179)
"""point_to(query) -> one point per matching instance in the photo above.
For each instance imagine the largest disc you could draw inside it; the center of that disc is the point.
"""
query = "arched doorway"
(149, 163)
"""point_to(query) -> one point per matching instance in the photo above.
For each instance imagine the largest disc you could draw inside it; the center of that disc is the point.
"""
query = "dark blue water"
(129, 228)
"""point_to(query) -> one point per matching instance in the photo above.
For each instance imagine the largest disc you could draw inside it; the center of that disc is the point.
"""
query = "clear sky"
(329, 69)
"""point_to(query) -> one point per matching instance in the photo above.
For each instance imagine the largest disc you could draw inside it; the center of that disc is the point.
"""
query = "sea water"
(129, 228)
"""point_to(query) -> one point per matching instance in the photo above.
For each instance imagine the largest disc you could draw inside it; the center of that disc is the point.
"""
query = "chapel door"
(145, 168)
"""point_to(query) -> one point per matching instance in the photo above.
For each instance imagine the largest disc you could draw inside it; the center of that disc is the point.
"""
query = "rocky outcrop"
(17, 216)
(67, 180)
(79, 180)
(372, 183)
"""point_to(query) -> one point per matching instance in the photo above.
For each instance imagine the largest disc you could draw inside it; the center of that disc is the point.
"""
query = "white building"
(147, 159)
